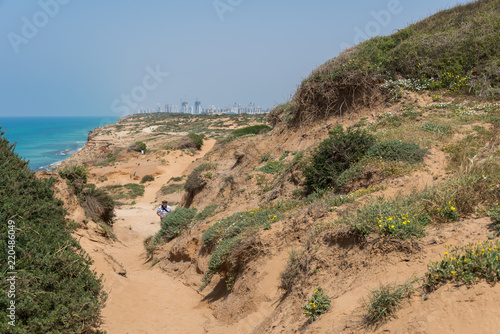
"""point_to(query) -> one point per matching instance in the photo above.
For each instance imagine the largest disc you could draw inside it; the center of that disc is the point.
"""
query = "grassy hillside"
(366, 199)
(55, 291)
(456, 50)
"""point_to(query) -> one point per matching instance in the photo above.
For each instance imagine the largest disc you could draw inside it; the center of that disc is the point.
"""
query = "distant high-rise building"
(197, 107)
(172, 108)
(184, 106)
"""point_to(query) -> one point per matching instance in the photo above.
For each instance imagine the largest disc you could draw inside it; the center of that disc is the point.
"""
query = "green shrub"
(175, 222)
(401, 218)
(147, 178)
(397, 151)
(135, 190)
(138, 146)
(98, 204)
(460, 195)
(335, 155)
(273, 167)
(56, 291)
(194, 181)
(449, 211)
(250, 130)
(386, 300)
(197, 140)
(227, 234)
(76, 177)
(172, 188)
(467, 264)
(237, 223)
(317, 304)
(74, 173)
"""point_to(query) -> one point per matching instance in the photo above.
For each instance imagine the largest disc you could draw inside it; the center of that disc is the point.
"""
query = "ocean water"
(48, 140)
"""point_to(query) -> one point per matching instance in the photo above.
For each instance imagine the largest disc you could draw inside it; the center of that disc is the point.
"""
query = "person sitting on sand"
(163, 210)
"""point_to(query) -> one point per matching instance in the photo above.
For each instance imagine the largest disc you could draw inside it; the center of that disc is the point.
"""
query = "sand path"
(145, 299)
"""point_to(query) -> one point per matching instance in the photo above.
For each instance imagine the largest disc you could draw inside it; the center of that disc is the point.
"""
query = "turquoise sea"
(48, 140)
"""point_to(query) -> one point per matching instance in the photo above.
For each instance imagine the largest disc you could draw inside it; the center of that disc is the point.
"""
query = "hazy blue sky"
(82, 57)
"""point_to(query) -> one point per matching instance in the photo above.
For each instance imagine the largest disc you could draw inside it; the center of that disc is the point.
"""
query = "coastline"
(46, 142)
(55, 166)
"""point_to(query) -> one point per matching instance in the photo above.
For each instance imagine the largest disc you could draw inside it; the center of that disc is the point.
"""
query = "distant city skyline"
(109, 58)
(199, 109)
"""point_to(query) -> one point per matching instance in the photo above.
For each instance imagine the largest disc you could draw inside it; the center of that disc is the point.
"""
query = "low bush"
(147, 178)
(273, 167)
(135, 190)
(74, 173)
(467, 264)
(172, 188)
(401, 218)
(98, 204)
(226, 235)
(174, 223)
(75, 176)
(190, 141)
(461, 195)
(197, 140)
(397, 151)
(138, 147)
(449, 211)
(317, 304)
(334, 155)
(195, 182)
(386, 300)
(251, 130)
(237, 223)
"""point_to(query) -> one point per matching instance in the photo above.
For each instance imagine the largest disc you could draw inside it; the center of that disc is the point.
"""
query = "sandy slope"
(145, 299)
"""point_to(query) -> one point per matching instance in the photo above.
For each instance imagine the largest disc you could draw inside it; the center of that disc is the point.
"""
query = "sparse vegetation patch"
(467, 264)
(317, 304)
(386, 300)
(225, 235)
